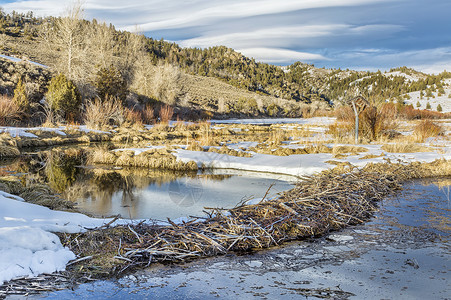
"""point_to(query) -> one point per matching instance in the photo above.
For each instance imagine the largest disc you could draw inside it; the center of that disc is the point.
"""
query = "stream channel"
(403, 252)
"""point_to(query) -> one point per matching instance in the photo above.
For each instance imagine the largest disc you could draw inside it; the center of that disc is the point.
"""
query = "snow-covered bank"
(301, 164)
(304, 121)
(27, 245)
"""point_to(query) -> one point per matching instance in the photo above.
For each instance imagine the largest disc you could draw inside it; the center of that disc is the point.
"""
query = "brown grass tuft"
(426, 129)
(166, 113)
(405, 148)
(9, 110)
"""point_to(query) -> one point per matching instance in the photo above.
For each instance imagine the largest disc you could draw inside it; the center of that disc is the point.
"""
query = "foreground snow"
(27, 245)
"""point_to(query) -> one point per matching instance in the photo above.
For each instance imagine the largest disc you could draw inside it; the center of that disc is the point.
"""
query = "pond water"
(402, 253)
(144, 194)
(140, 193)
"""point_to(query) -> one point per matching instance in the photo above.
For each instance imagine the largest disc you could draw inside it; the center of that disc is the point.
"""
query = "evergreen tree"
(110, 82)
(428, 105)
(439, 108)
(63, 96)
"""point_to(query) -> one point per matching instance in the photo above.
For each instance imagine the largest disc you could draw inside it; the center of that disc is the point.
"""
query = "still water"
(155, 194)
(402, 253)
(141, 193)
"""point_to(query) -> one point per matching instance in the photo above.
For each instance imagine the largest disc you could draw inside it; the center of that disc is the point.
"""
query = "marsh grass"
(405, 147)
(426, 129)
(153, 159)
(8, 151)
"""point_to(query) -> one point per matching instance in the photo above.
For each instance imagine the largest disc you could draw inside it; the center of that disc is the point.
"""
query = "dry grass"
(426, 129)
(405, 147)
(8, 151)
(152, 159)
(9, 111)
(348, 149)
(228, 151)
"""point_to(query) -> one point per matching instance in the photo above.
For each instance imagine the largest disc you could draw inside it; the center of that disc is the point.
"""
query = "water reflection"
(140, 193)
(158, 194)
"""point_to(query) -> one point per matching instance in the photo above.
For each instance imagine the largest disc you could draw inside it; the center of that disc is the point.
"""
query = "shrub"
(373, 123)
(9, 110)
(428, 105)
(426, 129)
(100, 113)
(273, 110)
(166, 113)
(110, 82)
(439, 108)
(344, 113)
(20, 95)
(418, 104)
(134, 116)
(148, 115)
(63, 96)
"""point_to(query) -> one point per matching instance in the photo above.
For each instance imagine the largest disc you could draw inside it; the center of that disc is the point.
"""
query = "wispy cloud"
(347, 33)
(280, 36)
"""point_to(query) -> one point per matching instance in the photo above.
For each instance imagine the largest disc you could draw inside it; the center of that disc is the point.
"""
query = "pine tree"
(428, 105)
(439, 108)
(418, 104)
(110, 82)
(63, 96)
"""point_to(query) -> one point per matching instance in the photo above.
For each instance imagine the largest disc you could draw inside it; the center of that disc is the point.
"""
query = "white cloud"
(274, 36)
(280, 56)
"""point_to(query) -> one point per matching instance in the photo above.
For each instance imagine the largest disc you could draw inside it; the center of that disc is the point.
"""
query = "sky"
(354, 34)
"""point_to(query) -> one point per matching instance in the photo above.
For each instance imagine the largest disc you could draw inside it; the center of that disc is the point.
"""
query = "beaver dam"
(400, 253)
(319, 204)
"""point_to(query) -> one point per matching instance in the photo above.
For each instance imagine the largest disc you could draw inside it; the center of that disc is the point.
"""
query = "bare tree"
(68, 34)
(102, 45)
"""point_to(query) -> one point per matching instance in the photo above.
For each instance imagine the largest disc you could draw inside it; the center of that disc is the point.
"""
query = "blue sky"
(355, 34)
